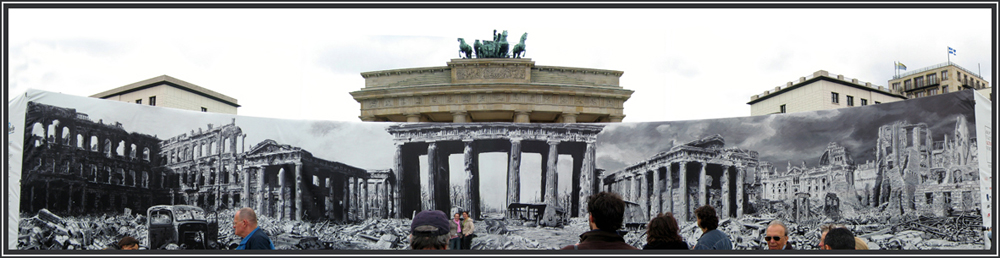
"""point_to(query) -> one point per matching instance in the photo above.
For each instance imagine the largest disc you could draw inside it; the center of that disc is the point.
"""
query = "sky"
(683, 64)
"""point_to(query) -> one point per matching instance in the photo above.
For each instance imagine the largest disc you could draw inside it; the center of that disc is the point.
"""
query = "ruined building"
(287, 182)
(832, 179)
(74, 165)
(202, 166)
(437, 141)
(688, 176)
(85, 166)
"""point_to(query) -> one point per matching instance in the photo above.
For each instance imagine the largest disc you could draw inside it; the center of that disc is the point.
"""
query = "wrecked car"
(181, 227)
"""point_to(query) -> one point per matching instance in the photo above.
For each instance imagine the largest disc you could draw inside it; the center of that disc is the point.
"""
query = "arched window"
(120, 151)
(66, 136)
(145, 154)
(131, 176)
(79, 141)
(53, 129)
(38, 132)
(211, 148)
(225, 145)
(131, 152)
(107, 147)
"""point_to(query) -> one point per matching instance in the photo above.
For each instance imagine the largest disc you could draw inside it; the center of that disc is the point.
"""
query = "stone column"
(469, 166)
(398, 157)
(522, 116)
(587, 178)
(551, 175)
(643, 194)
(346, 203)
(739, 191)
(366, 201)
(657, 196)
(329, 198)
(412, 117)
(514, 173)
(668, 191)
(298, 191)
(431, 172)
(569, 117)
(260, 189)
(635, 188)
(616, 118)
(283, 203)
(359, 199)
(245, 196)
(702, 188)
(725, 192)
(458, 116)
(684, 210)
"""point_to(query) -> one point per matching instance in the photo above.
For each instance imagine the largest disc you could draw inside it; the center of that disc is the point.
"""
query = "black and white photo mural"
(85, 172)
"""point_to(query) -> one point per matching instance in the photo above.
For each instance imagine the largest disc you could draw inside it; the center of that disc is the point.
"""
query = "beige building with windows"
(820, 91)
(166, 91)
(938, 79)
(493, 90)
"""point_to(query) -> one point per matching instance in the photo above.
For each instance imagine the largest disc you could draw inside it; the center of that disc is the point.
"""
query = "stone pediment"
(271, 146)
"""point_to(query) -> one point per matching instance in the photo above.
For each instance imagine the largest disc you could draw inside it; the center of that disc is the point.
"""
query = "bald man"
(245, 226)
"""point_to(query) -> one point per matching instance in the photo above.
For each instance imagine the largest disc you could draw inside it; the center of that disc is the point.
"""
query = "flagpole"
(949, 55)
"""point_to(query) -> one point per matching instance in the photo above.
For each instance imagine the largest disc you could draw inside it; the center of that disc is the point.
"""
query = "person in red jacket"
(605, 213)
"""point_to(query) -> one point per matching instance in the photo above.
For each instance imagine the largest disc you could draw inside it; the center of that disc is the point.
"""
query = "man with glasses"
(245, 226)
(777, 236)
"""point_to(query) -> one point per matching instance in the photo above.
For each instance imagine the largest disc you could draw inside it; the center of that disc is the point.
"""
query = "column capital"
(412, 117)
(616, 118)
(367, 118)
(553, 141)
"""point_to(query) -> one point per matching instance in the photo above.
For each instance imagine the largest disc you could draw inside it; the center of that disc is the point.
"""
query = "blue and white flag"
(900, 66)
(952, 51)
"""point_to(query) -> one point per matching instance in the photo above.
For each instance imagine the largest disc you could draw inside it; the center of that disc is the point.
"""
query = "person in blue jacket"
(245, 226)
(711, 237)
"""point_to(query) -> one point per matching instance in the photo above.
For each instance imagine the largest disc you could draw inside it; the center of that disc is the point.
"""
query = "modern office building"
(166, 91)
(493, 90)
(820, 91)
(938, 79)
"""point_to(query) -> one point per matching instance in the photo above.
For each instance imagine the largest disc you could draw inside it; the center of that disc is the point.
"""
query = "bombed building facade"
(827, 184)
(437, 141)
(918, 174)
(202, 166)
(289, 183)
(688, 176)
(910, 174)
(76, 166)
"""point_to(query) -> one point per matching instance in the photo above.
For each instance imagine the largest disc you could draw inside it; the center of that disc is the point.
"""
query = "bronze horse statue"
(519, 48)
(464, 48)
(478, 47)
(504, 46)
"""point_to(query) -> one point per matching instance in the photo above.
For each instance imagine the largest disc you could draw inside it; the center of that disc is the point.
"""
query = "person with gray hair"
(777, 236)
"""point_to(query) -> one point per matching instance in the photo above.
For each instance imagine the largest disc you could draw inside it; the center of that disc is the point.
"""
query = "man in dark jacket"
(777, 236)
(606, 212)
(245, 226)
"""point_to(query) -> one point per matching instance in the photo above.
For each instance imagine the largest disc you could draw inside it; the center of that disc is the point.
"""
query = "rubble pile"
(48, 231)
(379, 234)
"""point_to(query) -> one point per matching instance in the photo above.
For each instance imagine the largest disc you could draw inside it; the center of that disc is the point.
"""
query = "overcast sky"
(302, 63)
